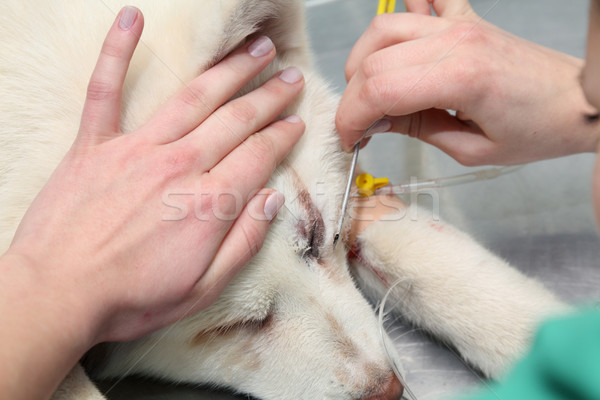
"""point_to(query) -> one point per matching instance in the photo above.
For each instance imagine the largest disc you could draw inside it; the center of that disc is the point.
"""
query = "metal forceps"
(385, 6)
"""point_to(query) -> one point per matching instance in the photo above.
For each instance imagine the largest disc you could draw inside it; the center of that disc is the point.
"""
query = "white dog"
(293, 324)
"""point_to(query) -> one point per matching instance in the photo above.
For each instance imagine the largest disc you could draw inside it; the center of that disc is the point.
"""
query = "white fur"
(77, 386)
(290, 326)
(453, 287)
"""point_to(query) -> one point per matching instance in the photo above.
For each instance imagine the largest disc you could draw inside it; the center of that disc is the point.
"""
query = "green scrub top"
(564, 363)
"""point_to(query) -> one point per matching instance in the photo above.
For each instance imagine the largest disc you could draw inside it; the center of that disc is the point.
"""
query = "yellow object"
(367, 185)
(386, 6)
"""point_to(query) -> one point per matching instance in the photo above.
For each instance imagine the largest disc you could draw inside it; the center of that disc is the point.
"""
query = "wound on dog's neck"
(312, 228)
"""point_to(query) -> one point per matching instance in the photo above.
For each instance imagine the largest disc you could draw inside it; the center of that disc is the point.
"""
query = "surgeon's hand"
(515, 101)
(145, 228)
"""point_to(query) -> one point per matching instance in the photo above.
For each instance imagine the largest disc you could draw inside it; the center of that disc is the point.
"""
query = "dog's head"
(293, 324)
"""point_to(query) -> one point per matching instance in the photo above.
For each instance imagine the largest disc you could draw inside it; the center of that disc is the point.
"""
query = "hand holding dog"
(98, 256)
(516, 101)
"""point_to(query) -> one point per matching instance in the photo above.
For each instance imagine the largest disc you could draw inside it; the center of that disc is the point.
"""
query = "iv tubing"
(417, 185)
(408, 394)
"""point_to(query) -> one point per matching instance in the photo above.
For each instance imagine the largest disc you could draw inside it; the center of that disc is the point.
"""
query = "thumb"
(452, 8)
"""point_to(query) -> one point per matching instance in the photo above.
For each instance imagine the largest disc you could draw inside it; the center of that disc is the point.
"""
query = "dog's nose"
(391, 390)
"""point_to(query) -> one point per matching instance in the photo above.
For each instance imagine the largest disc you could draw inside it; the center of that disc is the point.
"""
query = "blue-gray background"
(540, 218)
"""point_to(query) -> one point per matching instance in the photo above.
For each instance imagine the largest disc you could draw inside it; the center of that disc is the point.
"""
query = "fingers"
(251, 164)
(422, 7)
(243, 241)
(388, 30)
(467, 147)
(102, 109)
(443, 8)
(452, 8)
(247, 167)
(201, 97)
(233, 123)
(400, 68)
(462, 141)
(395, 93)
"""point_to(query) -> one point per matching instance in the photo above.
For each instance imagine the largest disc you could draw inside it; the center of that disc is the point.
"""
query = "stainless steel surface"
(539, 218)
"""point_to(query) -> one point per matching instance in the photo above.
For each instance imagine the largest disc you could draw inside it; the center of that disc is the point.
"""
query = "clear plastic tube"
(417, 185)
(383, 310)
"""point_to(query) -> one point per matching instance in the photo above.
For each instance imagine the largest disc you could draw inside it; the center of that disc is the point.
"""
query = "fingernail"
(273, 205)
(383, 125)
(291, 75)
(261, 46)
(128, 16)
(294, 119)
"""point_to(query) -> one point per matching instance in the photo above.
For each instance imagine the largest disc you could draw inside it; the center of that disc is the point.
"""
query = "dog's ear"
(285, 25)
(280, 20)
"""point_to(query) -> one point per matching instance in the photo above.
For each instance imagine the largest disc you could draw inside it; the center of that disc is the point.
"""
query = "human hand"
(101, 232)
(515, 101)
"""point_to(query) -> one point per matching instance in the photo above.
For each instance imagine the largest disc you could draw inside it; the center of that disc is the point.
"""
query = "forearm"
(44, 331)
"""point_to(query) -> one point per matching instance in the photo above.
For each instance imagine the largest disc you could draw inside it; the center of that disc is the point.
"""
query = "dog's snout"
(392, 389)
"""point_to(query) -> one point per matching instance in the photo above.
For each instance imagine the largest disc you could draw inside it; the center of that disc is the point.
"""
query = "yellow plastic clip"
(386, 6)
(367, 185)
